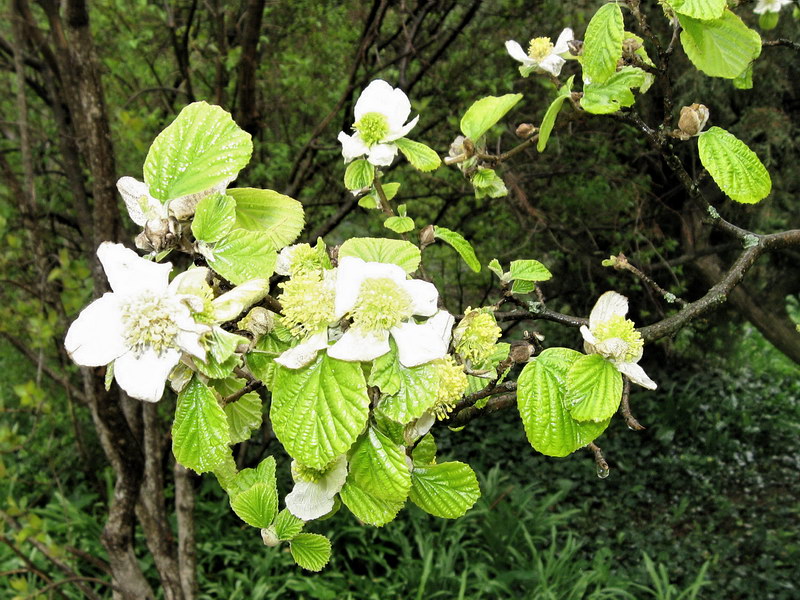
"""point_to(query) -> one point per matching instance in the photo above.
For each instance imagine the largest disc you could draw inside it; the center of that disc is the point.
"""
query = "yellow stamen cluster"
(306, 473)
(304, 260)
(452, 385)
(373, 127)
(476, 335)
(624, 329)
(540, 48)
(307, 303)
(381, 305)
(149, 322)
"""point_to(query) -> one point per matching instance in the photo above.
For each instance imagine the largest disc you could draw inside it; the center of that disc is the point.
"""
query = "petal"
(552, 63)
(352, 146)
(188, 338)
(562, 44)
(143, 377)
(402, 131)
(193, 282)
(349, 277)
(418, 344)
(589, 340)
(610, 304)
(397, 109)
(333, 481)
(308, 501)
(636, 374)
(357, 345)
(419, 427)
(140, 204)
(443, 322)
(376, 97)
(129, 273)
(305, 352)
(96, 337)
(382, 155)
(517, 53)
(424, 297)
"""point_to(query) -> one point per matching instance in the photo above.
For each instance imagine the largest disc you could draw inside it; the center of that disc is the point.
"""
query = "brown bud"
(469, 147)
(426, 236)
(630, 46)
(575, 47)
(520, 352)
(525, 130)
(692, 120)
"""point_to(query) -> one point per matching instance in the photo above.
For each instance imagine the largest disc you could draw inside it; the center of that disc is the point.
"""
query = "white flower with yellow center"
(314, 489)
(381, 302)
(542, 55)
(143, 325)
(773, 6)
(381, 112)
(614, 337)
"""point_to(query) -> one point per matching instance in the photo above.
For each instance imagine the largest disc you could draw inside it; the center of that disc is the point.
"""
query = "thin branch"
(625, 407)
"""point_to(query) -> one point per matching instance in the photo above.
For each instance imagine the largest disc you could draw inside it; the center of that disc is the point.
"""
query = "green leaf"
(214, 217)
(368, 508)
(549, 119)
(602, 43)
(488, 184)
(721, 48)
(200, 434)
(485, 112)
(242, 255)
(706, 10)
(614, 93)
(359, 174)
(735, 168)
(460, 245)
(744, 81)
(215, 369)
(640, 51)
(378, 466)
(529, 270)
(397, 252)
(318, 411)
(202, 148)
(399, 224)
(287, 525)
(311, 550)
(424, 453)
(258, 505)
(244, 415)
(276, 216)
(418, 392)
(495, 267)
(593, 389)
(769, 20)
(446, 490)
(385, 371)
(419, 155)
(223, 343)
(261, 360)
(373, 201)
(541, 393)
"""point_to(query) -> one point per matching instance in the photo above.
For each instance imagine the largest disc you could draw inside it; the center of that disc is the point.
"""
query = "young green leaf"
(242, 255)
(549, 119)
(424, 453)
(278, 217)
(541, 393)
(385, 371)
(244, 415)
(419, 155)
(735, 168)
(366, 507)
(287, 525)
(593, 389)
(399, 224)
(485, 113)
(418, 392)
(258, 505)
(488, 184)
(446, 490)
(311, 550)
(318, 411)
(529, 270)
(602, 44)
(705, 10)
(378, 466)
(201, 149)
(614, 93)
(214, 217)
(460, 245)
(720, 48)
(495, 267)
(397, 252)
(359, 174)
(744, 81)
(261, 360)
(200, 433)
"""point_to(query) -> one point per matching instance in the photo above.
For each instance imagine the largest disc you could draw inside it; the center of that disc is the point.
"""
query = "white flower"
(765, 6)
(381, 301)
(380, 113)
(613, 336)
(143, 326)
(542, 54)
(314, 491)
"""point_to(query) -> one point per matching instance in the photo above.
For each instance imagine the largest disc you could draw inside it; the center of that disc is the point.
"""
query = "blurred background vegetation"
(702, 504)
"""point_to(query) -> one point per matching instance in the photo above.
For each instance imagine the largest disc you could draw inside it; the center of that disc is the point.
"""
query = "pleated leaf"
(602, 44)
(200, 434)
(735, 168)
(594, 389)
(397, 252)
(720, 48)
(446, 490)
(379, 467)
(311, 550)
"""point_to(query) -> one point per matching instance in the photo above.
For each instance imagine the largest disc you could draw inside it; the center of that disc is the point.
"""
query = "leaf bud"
(692, 121)
(525, 130)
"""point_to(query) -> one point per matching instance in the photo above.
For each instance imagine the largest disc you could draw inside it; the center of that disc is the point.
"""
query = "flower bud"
(630, 46)
(427, 236)
(692, 120)
(525, 130)
(259, 321)
(270, 536)
(520, 352)
(575, 47)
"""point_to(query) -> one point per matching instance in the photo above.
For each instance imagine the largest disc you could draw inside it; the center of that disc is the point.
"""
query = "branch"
(781, 42)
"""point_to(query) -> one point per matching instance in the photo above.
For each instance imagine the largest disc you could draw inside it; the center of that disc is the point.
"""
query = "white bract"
(381, 302)
(143, 325)
(613, 336)
(765, 6)
(542, 55)
(381, 113)
(314, 491)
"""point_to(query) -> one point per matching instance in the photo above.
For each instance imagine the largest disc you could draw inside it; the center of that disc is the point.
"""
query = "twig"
(625, 408)
(251, 386)
(621, 264)
(599, 460)
(782, 42)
